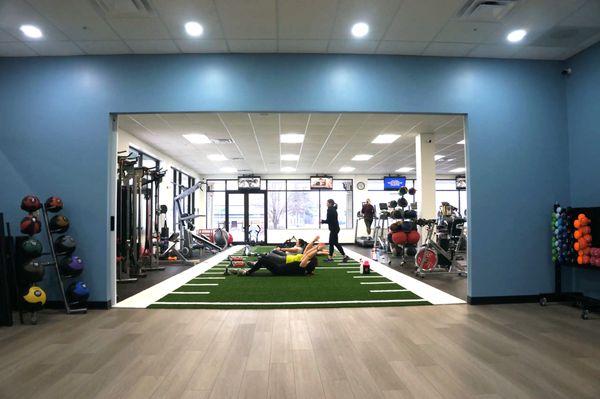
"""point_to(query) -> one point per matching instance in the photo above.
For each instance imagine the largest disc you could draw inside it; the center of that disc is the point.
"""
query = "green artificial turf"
(330, 284)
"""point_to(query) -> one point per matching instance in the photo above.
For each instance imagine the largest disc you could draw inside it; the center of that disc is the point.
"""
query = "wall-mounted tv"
(321, 183)
(248, 183)
(391, 183)
(461, 183)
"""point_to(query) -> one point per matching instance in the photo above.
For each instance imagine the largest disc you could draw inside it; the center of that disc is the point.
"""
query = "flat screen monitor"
(249, 183)
(461, 183)
(321, 183)
(393, 183)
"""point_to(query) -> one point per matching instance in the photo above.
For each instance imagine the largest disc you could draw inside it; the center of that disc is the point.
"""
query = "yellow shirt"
(293, 258)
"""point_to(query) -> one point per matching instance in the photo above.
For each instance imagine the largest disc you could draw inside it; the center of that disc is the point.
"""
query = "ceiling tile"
(352, 46)
(540, 53)
(15, 50)
(104, 47)
(421, 20)
(248, 19)
(493, 51)
(252, 46)
(5, 37)
(587, 15)
(175, 13)
(77, 19)
(52, 48)
(14, 13)
(302, 46)
(445, 49)
(467, 32)
(202, 45)
(139, 28)
(377, 13)
(309, 19)
(152, 46)
(399, 47)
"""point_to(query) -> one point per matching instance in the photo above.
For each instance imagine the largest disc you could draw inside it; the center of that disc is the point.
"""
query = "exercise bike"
(432, 258)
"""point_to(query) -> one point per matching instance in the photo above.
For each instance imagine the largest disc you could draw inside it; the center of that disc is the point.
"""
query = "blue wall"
(583, 105)
(54, 124)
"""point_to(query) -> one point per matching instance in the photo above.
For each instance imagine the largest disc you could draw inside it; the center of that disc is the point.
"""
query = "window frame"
(286, 190)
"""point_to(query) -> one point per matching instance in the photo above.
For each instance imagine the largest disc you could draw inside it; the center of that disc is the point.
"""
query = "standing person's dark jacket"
(368, 211)
(332, 219)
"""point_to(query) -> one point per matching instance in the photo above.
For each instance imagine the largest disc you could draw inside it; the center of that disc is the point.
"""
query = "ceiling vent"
(123, 8)
(486, 10)
(237, 159)
(222, 141)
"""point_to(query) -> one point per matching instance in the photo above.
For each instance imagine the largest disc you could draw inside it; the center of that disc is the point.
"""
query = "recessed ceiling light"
(362, 157)
(404, 170)
(292, 138)
(458, 170)
(438, 157)
(31, 31)
(461, 142)
(450, 159)
(290, 157)
(360, 29)
(194, 29)
(217, 157)
(385, 138)
(196, 138)
(288, 169)
(228, 169)
(516, 35)
(346, 169)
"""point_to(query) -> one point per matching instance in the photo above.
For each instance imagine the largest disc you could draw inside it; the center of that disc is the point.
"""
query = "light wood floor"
(457, 351)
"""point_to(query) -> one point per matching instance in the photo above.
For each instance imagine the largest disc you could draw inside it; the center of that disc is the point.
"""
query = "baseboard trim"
(492, 300)
(103, 305)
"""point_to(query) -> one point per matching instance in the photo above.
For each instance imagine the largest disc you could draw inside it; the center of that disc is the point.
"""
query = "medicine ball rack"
(578, 299)
(55, 264)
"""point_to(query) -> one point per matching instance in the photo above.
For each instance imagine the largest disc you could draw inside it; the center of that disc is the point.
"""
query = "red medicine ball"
(30, 225)
(413, 237)
(30, 203)
(399, 237)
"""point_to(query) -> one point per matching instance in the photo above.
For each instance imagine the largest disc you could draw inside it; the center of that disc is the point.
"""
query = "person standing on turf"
(368, 212)
(334, 230)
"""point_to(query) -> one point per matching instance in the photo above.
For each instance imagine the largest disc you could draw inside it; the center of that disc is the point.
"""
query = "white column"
(425, 152)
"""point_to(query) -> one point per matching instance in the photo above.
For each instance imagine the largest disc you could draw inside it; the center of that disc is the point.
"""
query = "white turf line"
(425, 291)
(292, 303)
(198, 285)
(189, 292)
(361, 276)
(380, 282)
(388, 290)
(147, 297)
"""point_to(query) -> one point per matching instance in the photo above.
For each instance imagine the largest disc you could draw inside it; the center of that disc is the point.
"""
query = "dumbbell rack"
(586, 304)
(54, 263)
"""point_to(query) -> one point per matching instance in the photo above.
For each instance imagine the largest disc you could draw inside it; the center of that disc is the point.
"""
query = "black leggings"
(368, 223)
(334, 241)
(270, 261)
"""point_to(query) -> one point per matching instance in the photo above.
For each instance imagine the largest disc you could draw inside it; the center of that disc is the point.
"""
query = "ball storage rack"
(578, 299)
(55, 264)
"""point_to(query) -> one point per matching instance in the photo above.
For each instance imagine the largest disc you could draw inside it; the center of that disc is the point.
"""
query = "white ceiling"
(331, 140)
(557, 28)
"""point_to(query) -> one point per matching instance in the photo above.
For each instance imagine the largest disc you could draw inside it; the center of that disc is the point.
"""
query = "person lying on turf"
(286, 265)
(299, 248)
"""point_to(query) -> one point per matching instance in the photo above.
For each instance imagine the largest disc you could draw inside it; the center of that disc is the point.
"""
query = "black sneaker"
(346, 259)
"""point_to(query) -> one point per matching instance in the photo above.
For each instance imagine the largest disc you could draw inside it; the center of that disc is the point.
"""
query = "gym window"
(291, 204)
